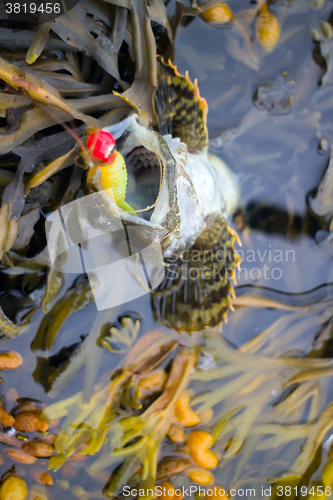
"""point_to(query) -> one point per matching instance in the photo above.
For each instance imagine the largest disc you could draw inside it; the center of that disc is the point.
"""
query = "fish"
(190, 194)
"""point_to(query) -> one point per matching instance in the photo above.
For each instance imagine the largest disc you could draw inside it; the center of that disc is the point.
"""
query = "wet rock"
(6, 419)
(38, 448)
(30, 422)
(10, 360)
(20, 456)
(46, 478)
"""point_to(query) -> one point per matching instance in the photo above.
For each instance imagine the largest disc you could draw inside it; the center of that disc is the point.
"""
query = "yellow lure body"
(114, 181)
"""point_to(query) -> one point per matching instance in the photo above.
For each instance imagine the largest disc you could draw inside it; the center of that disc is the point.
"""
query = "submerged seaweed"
(263, 399)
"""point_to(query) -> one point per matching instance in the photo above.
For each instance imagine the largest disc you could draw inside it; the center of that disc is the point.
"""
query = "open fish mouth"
(184, 194)
(144, 180)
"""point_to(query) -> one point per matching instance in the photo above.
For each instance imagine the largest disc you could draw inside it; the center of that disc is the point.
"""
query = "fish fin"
(180, 109)
(196, 293)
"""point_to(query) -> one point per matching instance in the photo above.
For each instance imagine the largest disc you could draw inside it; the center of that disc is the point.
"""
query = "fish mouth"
(152, 164)
(144, 181)
(152, 182)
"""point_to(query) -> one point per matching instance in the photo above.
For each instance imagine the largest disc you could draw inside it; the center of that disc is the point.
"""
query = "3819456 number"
(32, 8)
(304, 491)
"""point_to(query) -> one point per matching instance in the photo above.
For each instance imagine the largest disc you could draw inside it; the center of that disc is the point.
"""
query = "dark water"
(275, 155)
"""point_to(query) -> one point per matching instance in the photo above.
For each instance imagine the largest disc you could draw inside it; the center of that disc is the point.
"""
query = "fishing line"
(68, 129)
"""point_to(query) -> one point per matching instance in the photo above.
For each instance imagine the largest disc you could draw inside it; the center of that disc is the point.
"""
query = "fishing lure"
(112, 166)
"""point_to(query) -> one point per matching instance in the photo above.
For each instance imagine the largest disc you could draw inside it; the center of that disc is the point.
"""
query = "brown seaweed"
(282, 387)
(148, 429)
(43, 89)
(76, 297)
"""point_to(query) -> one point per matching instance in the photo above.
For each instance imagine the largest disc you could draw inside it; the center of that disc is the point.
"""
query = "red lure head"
(102, 144)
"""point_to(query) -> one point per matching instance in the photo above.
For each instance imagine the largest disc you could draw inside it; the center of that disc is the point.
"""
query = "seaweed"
(264, 399)
(141, 93)
(39, 90)
(89, 352)
(103, 416)
(76, 297)
(120, 338)
(8, 328)
(75, 70)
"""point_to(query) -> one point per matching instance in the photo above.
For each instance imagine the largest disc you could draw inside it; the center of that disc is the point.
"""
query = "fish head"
(173, 183)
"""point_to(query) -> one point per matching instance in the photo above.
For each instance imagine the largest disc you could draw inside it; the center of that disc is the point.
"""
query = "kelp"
(48, 369)
(39, 90)
(264, 398)
(38, 44)
(149, 429)
(45, 173)
(9, 328)
(55, 371)
(102, 414)
(83, 28)
(21, 200)
(141, 95)
(15, 196)
(117, 53)
(87, 28)
(55, 282)
(89, 352)
(78, 296)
